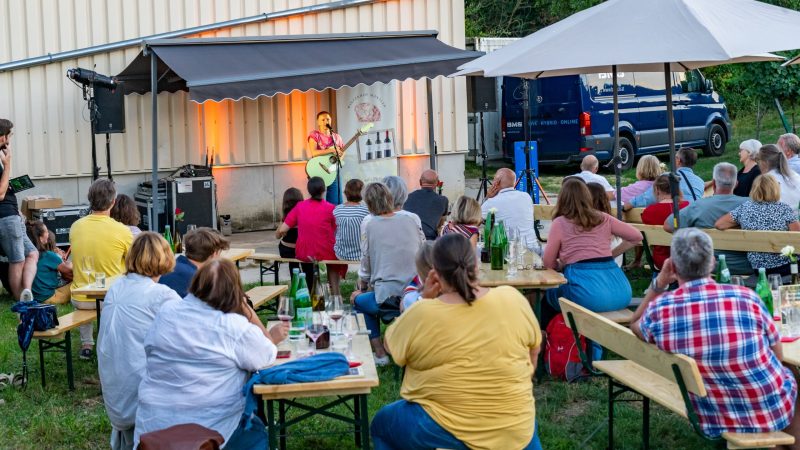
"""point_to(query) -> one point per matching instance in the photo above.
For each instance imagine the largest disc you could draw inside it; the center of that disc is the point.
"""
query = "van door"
(555, 110)
(652, 111)
(693, 106)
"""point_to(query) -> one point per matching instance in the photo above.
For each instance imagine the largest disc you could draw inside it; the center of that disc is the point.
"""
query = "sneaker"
(85, 353)
(381, 361)
(26, 295)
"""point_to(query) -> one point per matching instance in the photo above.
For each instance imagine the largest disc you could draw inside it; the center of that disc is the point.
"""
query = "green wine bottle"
(497, 251)
(723, 273)
(168, 237)
(302, 302)
(295, 330)
(763, 290)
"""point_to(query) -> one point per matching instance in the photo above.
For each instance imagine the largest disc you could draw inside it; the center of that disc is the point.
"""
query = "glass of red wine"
(335, 310)
(314, 331)
(286, 308)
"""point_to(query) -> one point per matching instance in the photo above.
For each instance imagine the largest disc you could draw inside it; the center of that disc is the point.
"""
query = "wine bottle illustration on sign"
(378, 147)
(387, 150)
(369, 148)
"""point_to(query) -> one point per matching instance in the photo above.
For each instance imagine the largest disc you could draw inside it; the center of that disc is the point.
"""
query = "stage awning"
(246, 67)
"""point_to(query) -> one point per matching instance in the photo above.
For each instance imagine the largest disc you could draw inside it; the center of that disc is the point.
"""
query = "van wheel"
(716, 141)
(626, 152)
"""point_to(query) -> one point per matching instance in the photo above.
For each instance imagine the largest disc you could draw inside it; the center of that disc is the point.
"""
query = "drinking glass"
(511, 258)
(793, 319)
(87, 267)
(775, 283)
(100, 280)
(737, 280)
(286, 308)
(349, 329)
(335, 310)
(314, 331)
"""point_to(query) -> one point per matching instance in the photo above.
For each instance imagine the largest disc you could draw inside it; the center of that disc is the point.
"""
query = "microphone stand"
(338, 165)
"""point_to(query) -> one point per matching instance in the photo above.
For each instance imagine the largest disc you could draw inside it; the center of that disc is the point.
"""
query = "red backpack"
(560, 352)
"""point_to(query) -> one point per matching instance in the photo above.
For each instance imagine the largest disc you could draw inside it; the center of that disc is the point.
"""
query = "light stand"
(526, 129)
(483, 188)
(88, 95)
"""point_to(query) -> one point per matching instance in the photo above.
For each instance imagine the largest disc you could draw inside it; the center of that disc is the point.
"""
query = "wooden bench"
(260, 296)
(546, 212)
(665, 378)
(270, 263)
(47, 340)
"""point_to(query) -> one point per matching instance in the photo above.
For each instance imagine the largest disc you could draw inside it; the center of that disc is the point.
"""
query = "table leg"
(271, 428)
(537, 311)
(282, 420)
(364, 422)
(277, 266)
(357, 419)
(97, 307)
(260, 273)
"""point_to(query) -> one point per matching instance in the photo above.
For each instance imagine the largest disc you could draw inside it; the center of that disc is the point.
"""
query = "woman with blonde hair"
(764, 211)
(647, 170)
(579, 244)
(465, 219)
(130, 308)
(772, 161)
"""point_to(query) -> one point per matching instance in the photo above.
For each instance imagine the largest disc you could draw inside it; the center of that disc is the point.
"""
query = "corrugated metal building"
(260, 143)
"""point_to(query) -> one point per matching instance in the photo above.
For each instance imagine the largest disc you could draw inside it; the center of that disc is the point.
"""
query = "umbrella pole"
(673, 175)
(526, 118)
(615, 160)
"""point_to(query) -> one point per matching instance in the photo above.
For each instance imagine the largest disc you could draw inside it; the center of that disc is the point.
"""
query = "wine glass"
(511, 258)
(87, 267)
(737, 280)
(314, 331)
(349, 329)
(335, 310)
(286, 308)
(775, 283)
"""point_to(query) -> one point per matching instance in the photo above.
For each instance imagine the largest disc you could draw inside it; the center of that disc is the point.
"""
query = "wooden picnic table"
(237, 254)
(344, 389)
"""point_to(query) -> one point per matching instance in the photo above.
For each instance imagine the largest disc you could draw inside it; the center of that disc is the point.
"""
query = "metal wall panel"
(52, 135)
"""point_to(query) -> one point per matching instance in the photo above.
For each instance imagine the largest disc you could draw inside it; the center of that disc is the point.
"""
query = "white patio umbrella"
(647, 36)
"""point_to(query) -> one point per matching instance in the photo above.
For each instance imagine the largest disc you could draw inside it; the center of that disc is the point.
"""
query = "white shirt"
(591, 177)
(129, 310)
(198, 360)
(515, 209)
(790, 188)
(794, 163)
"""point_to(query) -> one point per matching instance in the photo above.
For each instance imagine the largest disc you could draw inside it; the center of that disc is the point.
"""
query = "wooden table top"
(791, 353)
(524, 279)
(237, 254)
(346, 385)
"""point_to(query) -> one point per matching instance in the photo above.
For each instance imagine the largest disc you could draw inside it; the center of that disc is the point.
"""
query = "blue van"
(573, 116)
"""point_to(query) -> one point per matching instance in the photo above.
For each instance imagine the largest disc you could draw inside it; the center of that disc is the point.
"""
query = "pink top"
(635, 190)
(324, 140)
(570, 244)
(316, 229)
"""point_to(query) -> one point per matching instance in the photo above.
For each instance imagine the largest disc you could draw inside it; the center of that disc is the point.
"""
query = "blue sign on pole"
(519, 166)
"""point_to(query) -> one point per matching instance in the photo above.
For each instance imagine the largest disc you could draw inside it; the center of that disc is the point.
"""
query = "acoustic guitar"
(327, 166)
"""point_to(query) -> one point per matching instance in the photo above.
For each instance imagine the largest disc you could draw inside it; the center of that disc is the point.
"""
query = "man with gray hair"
(589, 167)
(728, 331)
(789, 144)
(705, 211)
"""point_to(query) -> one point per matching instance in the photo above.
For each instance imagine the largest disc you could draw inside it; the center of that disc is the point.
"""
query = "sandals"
(11, 379)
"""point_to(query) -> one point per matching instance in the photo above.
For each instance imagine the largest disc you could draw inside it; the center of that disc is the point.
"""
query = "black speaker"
(484, 94)
(110, 110)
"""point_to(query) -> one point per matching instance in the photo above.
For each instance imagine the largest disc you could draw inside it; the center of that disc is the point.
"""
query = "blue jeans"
(334, 193)
(405, 425)
(599, 286)
(255, 437)
(367, 305)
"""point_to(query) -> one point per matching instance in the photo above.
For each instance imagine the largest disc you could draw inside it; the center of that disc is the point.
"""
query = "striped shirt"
(348, 231)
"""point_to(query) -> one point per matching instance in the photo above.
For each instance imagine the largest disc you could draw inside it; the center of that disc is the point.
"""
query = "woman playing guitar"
(323, 141)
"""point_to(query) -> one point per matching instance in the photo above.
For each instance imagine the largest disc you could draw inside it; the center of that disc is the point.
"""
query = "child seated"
(424, 262)
(53, 272)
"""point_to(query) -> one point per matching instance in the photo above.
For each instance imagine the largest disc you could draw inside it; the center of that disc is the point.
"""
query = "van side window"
(602, 84)
(649, 83)
(690, 82)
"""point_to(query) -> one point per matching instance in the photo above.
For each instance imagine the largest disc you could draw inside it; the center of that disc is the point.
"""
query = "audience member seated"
(348, 222)
(588, 173)
(771, 161)
(468, 384)
(316, 233)
(789, 144)
(656, 213)
(129, 310)
(428, 205)
(647, 170)
(399, 191)
(601, 203)
(199, 246)
(749, 391)
(424, 263)
(126, 213)
(705, 212)
(764, 211)
(14, 243)
(53, 273)
(691, 185)
(513, 207)
(103, 240)
(748, 150)
(579, 245)
(287, 244)
(200, 352)
(388, 249)
(465, 219)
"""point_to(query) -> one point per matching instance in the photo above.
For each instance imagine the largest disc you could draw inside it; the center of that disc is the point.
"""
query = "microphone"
(329, 126)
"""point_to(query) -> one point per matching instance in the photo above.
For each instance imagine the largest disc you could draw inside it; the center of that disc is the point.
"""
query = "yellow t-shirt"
(469, 367)
(103, 238)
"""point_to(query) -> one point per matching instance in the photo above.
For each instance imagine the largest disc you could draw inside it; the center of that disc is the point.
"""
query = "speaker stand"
(483, 188)
(88, 95)
(108, 156)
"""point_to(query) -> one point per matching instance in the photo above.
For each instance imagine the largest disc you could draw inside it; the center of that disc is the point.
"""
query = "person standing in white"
(589, 168)
(130, 308)
(789, 144)
(200, 353)
(513, 207)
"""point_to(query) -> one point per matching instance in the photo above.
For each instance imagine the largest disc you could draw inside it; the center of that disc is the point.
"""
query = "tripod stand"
(483, 188)
(94, 115)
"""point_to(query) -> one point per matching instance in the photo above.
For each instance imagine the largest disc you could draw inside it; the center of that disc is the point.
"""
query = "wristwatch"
(654, 287)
